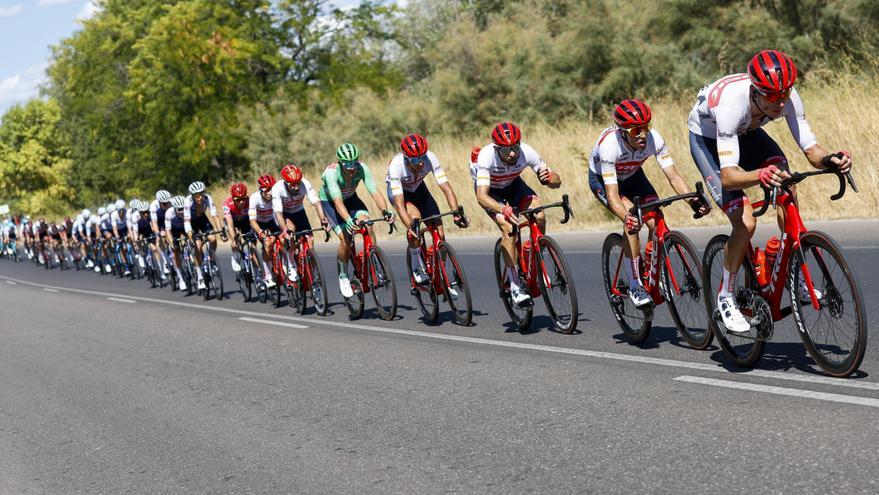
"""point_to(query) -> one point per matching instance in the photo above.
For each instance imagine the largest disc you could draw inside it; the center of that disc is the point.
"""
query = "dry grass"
(841, 118)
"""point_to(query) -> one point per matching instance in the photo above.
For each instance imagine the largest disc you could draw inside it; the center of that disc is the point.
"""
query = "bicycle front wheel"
(381, 283)
(318, 284)
(681, 277)
(634, 323)
(521, 316)
(457, 291)
(217, 279)
(557, 285)
(836, 333)
(425, 295)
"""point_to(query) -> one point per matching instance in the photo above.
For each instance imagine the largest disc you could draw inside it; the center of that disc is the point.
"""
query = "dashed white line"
(128, 301)
(10, 282)
(50, 290)
(271, 322)
(790, 392)
(714, 368)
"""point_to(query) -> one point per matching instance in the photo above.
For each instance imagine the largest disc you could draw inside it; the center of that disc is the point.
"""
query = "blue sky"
(27, 29)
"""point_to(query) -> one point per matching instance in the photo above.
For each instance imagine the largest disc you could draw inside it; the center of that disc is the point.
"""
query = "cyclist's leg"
(759, 150)
(523, 197)
(631, 246)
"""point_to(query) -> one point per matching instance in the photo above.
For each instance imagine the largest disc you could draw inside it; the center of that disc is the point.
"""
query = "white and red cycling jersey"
(401, 178)
(723, 112)
(260, 209)
(284, 201)
(615, 161)
(491, 171)
(231, 210)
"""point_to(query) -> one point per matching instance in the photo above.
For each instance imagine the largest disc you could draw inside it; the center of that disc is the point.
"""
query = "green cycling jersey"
(335, 185)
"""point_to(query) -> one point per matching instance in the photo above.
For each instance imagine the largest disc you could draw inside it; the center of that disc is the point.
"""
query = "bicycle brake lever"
(851, 181)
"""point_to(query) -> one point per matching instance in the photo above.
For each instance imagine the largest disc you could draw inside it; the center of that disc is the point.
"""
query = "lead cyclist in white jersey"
(733, 153)
(499, 189)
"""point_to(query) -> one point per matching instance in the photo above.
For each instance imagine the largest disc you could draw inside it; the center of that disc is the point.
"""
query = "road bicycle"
(824, 294)
(371, 273)
(311, 281)
(544, 271)
(246, 277)
(444, 271)
(672, 272)
(210, 269)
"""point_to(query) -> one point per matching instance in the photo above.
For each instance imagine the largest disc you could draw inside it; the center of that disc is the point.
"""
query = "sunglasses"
(637, 131)
(241, 198)
(505, 151)
(350, 165)
(775, 97)
(416, 161)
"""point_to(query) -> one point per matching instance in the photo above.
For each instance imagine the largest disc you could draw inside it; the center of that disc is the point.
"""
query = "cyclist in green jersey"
(338, 195)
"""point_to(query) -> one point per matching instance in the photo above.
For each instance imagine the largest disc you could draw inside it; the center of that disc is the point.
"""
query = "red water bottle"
(760, 267)
(645, 261)
(772, 247)
(526, 253)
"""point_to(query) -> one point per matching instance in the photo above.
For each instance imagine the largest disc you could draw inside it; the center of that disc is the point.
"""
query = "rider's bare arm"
(400, 205)
(676, 180)
(449, 193)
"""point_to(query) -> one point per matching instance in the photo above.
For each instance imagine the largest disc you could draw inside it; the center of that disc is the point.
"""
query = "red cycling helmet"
(238, 190)
(414, 145)
(632, 113)
(506, 134)
(772, 71)
(291, 175)
(266, 182)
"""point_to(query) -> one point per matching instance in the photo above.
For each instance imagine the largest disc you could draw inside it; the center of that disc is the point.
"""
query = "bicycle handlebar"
(639, 208)
(367, 223)
(302, 233)
(564, 204)
(416, 222)
(770, 194)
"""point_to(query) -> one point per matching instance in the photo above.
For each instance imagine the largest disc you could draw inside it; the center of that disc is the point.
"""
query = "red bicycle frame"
(429, 254)
(526, 253)
(358, 258)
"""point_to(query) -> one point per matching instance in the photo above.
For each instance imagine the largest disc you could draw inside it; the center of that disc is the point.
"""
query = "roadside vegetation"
(157, 93)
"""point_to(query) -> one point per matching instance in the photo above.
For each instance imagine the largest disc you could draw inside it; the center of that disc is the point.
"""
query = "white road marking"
(791, 392)
(270, 322)
(129, 301)
(716, 368)
(50, 290)
(10, 282)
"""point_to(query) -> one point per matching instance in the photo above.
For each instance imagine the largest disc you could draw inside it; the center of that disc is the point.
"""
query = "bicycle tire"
(635, 327)
(355, 303)
(561, 280)
(689, 283)
(217, 280)
(835, 308)
(744, 351)
(318, 284)
(521, 317)
(425, 294)
(458, 282)
(380, 276)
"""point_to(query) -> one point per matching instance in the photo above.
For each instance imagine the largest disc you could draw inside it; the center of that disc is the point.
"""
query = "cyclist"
(119, 224)
(79, 235)
(175, 228)
(235, 214)
(734, 153)
(288, 203)
(200, 216)
(262, 221)
(338, 195)
(140, 227)
(92, 231)
(408, 193)
(500, 189)
(616, 177)
(158, 207)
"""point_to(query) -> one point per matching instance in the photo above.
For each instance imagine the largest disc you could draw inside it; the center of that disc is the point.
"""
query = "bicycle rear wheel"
(836, 334)
(457, 291)
(681, 277)
(521, 316)
(557, 285)
(744, 349)
(355, 302)
(425, 294)
(318, 284)
(244, 278)
(634, 323)
(216, 279)
(381, 283)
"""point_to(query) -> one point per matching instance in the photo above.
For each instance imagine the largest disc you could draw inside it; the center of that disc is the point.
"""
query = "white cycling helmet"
(142, 206)
(177, 201)
(111, 207)
(86, 213)
(120, 204)
(133, 203)
(163, 196)
(196, 187)
(102, 211)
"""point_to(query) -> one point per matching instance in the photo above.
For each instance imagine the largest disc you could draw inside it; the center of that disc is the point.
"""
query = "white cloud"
(22, 87)
(11, 11)
(52, 2)
(88, 10)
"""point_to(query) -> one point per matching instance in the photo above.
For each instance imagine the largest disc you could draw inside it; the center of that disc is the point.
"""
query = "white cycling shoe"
(420, 276)
(201, 285)
(236, 267)
(733, 319)
(804, 294)
(270, 282)
(520, 297)
(345, 287)
(639, 296)
(181, 284)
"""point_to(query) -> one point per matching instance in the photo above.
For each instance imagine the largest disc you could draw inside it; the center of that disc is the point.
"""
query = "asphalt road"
(107, 386)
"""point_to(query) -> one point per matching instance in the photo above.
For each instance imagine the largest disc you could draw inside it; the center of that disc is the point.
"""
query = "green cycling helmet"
(348, 153)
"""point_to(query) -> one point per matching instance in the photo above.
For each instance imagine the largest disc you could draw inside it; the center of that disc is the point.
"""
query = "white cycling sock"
(198, 271)
(513, 277)
(729, 283)
(415, 257)
(634, 268)
(265, 266)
